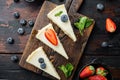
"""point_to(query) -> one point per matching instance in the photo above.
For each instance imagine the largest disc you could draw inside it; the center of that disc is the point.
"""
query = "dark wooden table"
(93, 50)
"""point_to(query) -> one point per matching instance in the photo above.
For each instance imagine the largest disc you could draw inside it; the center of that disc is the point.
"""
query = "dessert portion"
(60, 17)
(48, 36)
(39, 59)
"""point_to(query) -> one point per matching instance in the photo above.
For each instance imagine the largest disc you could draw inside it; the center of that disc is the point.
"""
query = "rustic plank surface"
(8, 68)
(93, 49)
(75, 5)
(9, 25)
(99, 34)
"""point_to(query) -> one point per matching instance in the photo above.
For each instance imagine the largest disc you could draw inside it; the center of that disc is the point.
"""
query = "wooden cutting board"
(73, 49)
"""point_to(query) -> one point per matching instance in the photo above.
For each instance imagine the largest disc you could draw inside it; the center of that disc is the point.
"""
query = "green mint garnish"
(67, 69)
(84, 22)
(58, 14)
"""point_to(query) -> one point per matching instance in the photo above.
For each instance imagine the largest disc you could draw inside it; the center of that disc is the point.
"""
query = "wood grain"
(92, 50)
(74, 49)
(8, 68)
(75, 5)
(9, 25)
(68, 3)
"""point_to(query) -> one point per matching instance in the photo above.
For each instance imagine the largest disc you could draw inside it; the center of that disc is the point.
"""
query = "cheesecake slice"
(48, 36)
(60, 17)
(46, 65)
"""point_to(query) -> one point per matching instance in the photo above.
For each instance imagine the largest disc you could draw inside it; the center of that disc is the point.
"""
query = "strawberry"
(101, 71)
(51, 36)
(110, 25)
(87, 71)
(97, 77)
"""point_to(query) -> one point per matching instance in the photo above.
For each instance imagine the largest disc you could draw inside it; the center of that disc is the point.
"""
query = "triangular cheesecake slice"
(49, 37)
(39, 59)
(60, 17)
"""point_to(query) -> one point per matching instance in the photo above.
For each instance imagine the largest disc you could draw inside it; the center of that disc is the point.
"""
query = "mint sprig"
(67, 69)
(84, 22)
(58, 14)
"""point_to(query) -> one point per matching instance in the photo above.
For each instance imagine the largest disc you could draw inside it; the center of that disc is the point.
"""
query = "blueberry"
(41, 60)
(104, 44)
(43, 65)
(21, 31)
(14, 58)
(64, 18)
(16, 15)
(100, 7)
(31, 23)
(10, 40)
(16, 0)
(23, 22)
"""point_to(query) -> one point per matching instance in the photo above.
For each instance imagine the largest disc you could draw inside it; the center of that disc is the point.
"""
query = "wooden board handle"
(75, 6)
(67, 4)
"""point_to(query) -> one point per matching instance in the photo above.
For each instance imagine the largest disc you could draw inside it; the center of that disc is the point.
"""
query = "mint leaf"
(70, 68)
(80, 18)
(88, 23)
(63, 68)
(67, 69)
(83, 23)
(77, 25)
(58, 14)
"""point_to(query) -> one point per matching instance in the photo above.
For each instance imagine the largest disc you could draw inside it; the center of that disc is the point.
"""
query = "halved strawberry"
(110, 25)
(51, 36)
(97, 77)
(87, 71)
(101, 71)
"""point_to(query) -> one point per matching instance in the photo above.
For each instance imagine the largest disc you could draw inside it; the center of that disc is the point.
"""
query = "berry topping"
(64, 18)
(41, 60)
(43, 65)
(51, 36)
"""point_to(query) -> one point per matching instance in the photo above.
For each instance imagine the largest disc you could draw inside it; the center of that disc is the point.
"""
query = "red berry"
(101, 71)
(110, 25)
(87, 71)
(97, 77)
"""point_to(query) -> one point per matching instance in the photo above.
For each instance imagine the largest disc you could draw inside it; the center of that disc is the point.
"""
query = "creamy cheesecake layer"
(33, 60)
(65, 26)
(59, 48)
